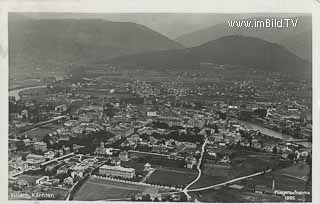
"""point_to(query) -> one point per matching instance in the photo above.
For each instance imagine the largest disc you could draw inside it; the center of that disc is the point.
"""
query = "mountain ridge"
(233, 50)
(48, 42)
(283, 36)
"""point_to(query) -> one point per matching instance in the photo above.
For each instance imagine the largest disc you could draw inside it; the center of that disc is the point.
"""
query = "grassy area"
(299, 171)
(39, 133)
(243, 164)
(207, 180)
(29, 178)
(171, 177)
(281, 182)
(232, 195)
(97, 189)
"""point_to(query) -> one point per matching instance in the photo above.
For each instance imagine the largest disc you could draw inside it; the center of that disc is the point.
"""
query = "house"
(27, 142)
(60, 108)
(49, 155)
(35, 160)
(20, 165)
(191, 162)
(224, 160)
(147, 167)
(40, 146)
(68, 181)
(124, 156)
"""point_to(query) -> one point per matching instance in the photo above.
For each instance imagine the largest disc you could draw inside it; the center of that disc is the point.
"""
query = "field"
(171, 177)
(38, 133)
(245, 163)
(97, 189)
(231, 195)
(207, 180)
(281, 182)
(298, 171)
(29, 178)
(251, 163)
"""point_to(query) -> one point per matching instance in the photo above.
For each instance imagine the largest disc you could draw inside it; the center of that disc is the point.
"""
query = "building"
(147, 167)
(27, 142)
(60, 108)
(66, 150)
(151, 114)
(122, 131)
(159, 149)
(68, 181)
(40, 146)
(117, 171)
(35, 160)
(24, 113)
(49, 155)
(20, 165)
(35, 157)
(171, 121)
(124, 156)
(101, 150)
(191, 162)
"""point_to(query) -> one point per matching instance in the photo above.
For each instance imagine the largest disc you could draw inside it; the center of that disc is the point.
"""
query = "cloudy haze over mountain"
(50, 40)
(172, 25)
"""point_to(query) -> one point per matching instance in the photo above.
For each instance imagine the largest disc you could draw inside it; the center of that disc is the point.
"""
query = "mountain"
(297, 39)
(231, 50)
(47, 43)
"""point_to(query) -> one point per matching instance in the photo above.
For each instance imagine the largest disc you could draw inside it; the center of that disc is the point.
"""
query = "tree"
(274, 150)
(261, 113)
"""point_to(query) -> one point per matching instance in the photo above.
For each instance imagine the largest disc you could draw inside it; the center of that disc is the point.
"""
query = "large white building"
(117, 171)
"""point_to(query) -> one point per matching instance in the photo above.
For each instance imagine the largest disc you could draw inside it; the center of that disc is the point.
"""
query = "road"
(220, 184)
(230, 181)
(147, 176)
(185, 190)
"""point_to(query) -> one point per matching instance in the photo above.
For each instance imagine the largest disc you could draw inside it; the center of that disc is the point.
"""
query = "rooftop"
(118, 168)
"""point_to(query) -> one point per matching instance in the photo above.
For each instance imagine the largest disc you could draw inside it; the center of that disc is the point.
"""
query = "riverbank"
(272, 133)
(15, 92)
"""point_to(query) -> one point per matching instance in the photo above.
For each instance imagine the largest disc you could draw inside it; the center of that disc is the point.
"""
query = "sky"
(170, 24)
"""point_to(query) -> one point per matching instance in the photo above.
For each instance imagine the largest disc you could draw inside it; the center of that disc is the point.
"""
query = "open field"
(29, 178)
(171, 177)
(39, 133)
(98, 189)
(252, 163)
(207, 180)
(284, 183)
(299, 171)
(244, 164)
(231, 195)
(94, 189)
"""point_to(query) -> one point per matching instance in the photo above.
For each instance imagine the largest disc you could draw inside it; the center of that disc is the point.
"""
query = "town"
(221, 135)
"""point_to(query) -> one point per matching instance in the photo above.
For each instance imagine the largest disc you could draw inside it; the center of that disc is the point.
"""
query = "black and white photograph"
(160, 107)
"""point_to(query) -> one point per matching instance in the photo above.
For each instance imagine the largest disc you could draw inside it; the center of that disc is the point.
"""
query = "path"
(185, 190)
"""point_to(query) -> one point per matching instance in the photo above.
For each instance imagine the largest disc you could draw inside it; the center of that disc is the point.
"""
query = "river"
(272, 133)
(15, 92)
